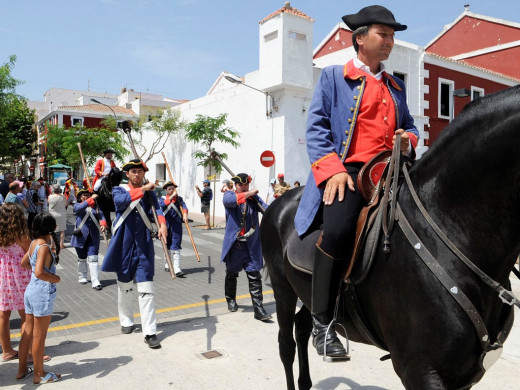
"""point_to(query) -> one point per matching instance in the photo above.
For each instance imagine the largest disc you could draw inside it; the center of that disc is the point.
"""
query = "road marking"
(165, 310)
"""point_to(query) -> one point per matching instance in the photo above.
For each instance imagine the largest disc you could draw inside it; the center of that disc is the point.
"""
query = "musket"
(90, 187)
(127, 129)
(185, 222)
(215, 156)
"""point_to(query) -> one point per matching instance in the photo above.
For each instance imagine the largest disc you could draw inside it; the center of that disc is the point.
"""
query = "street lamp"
(268, 98)
(106, 105)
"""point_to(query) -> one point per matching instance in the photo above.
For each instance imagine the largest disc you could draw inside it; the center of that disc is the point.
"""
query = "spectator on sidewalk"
(14, 242)
(39, 298)
(33, 200)
(270, 192)
(281, 186)
(59, 212)
(206, 195)
(227, 186)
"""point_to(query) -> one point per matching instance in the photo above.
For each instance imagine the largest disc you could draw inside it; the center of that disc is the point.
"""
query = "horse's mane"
(478, 118)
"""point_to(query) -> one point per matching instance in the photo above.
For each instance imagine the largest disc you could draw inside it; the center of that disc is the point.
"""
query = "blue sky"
(177, 48)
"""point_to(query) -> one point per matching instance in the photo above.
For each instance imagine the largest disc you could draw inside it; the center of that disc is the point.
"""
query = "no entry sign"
(267, 158)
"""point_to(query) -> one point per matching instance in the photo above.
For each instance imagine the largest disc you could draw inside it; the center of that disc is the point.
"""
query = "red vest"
(375, 124)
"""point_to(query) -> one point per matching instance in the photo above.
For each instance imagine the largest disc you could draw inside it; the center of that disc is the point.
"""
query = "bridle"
(396, 214)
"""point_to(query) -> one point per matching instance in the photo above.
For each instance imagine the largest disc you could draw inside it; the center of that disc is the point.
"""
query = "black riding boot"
(230, 290)
(255, 289)
(322, 279)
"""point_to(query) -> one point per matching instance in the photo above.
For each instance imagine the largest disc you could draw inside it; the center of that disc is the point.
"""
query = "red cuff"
(136, 193)
(326, 167)
(91, 202)
(161, 219)
(167, 200)
(103, 223)
(413, 139)
(241, 198)
(185, 211)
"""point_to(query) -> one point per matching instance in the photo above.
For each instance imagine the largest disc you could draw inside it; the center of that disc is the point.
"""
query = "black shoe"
(152, 341)
(127, 329)
(98, 288)
(180, 274)
(232, 305)
(263, 317)
(261, 314)
(320, 339)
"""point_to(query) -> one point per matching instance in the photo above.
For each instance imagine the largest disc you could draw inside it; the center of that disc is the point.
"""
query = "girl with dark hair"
(40, 295)
(14, 242)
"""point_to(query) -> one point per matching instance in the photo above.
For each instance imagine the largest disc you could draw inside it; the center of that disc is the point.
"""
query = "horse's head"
(115, 176)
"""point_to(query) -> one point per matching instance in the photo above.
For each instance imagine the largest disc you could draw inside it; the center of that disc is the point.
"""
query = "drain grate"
(211, 354)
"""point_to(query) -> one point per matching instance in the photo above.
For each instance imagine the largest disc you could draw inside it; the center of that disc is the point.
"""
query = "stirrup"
(336, 359)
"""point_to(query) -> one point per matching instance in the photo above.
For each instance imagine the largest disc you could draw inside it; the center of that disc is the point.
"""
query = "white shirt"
(361, 65)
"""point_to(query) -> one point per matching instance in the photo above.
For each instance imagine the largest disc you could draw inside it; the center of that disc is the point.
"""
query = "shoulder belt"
(134, 205)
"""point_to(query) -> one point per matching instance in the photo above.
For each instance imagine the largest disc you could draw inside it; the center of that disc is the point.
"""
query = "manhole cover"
(211, 354)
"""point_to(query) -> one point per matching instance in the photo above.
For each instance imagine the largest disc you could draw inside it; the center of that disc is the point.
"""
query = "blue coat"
(89, 228)
(332, 120)
(132, 234)
(234, 222)
(174, 222)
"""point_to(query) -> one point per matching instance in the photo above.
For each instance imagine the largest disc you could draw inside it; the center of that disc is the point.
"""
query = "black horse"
(469, 184)
(105, 200)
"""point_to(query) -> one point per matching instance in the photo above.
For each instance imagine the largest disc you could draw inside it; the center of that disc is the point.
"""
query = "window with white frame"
(445, 99)
(76, 120)
(476, 92)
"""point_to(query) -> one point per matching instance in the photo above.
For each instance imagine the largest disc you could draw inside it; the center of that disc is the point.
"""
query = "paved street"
(80, 309)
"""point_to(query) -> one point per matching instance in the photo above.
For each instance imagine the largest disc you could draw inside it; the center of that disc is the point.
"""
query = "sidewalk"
(247, 358)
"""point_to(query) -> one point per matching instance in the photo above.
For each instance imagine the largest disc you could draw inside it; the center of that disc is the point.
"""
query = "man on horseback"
(103, 167)
(355, 113)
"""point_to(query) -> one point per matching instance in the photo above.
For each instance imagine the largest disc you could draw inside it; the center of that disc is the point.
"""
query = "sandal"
(46, 358)
(12, 357)
(50, 377)
(26, 375)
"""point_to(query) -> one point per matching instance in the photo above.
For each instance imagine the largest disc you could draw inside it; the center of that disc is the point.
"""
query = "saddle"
(370, 181)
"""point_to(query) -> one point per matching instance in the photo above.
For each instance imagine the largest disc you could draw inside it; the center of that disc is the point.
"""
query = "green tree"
(161, 125)
(208, 131)
(16, 118)
(62, 144)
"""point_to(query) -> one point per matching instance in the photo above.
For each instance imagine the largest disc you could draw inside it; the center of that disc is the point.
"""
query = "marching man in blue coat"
(241, 248)
(175, 212)
(131, 253)
(89, 222)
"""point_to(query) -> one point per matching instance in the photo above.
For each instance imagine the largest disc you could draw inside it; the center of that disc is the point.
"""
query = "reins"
(505, 295)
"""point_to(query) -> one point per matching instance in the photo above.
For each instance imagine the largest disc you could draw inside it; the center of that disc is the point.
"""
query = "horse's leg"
(285, 308)
(302, 330)
(417, 375)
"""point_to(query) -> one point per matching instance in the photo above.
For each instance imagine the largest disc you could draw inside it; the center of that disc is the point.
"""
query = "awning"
(60, 166)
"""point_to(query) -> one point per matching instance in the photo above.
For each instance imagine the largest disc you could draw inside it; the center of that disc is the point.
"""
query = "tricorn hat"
(168, 184)
(81, 192)
(371, 15)
(108, 150)
(135, 163)
(242, 178)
